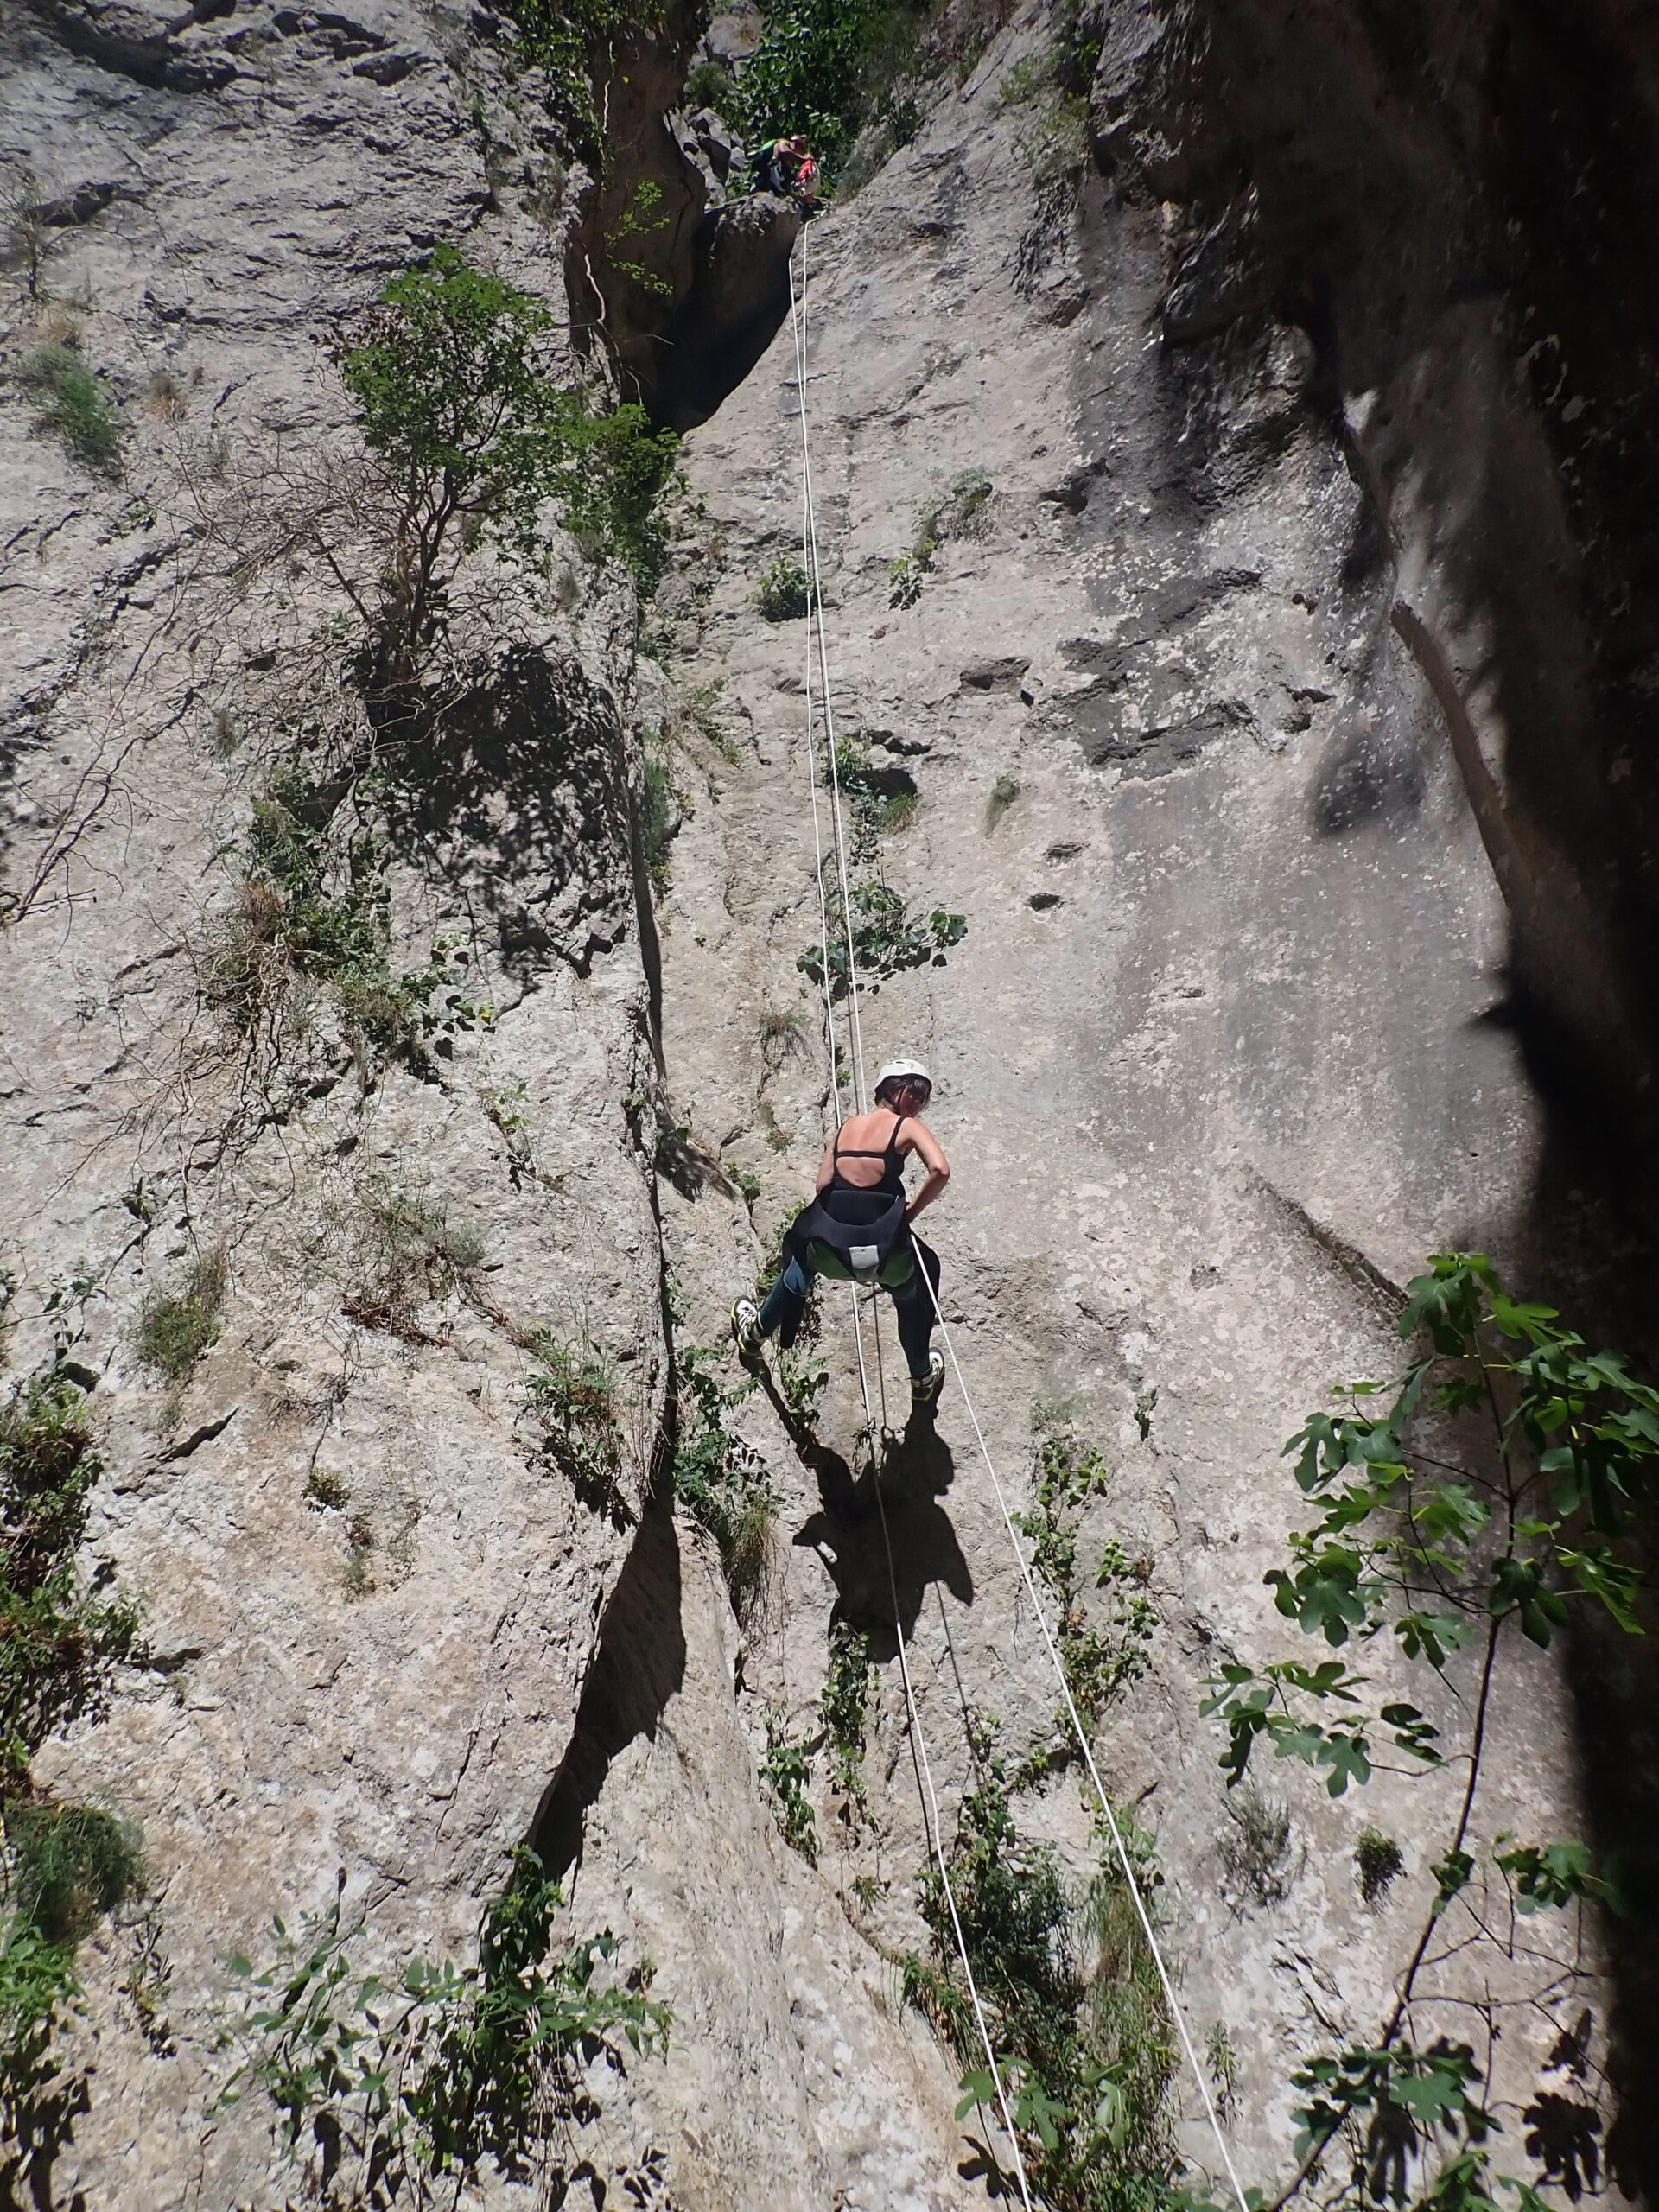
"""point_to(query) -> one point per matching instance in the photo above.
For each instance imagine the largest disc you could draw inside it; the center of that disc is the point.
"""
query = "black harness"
(859, 1228)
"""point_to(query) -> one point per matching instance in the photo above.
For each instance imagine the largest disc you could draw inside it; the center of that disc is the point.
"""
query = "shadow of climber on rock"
(915, 1472)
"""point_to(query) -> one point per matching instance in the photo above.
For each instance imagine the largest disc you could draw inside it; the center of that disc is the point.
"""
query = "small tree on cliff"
(453, 398)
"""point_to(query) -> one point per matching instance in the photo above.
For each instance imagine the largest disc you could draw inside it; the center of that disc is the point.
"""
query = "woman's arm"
(826, 1167)
(926, 1148)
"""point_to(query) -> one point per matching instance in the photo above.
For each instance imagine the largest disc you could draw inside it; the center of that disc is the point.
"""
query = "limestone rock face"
(1173, 584)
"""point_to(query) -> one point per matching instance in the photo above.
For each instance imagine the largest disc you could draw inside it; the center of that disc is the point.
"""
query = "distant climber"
(786, 168)
(858, 1228)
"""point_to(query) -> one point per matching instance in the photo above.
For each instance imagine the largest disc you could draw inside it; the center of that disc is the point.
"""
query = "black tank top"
(892, 1167)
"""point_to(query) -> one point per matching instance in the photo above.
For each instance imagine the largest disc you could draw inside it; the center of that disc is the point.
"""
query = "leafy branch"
(1496, 1489)
(446, 2066)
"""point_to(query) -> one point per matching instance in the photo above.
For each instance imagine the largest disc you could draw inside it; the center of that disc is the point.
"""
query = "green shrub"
(1102, 1654)
(58, 1643)
(782, 1031)
(844, 1707)
(574, 42)
(785, 1772)
(1055, 144)
(316, 904)
(883, 800)
(176, 1327)
(1256, 1850)
(947, 513)
(74, 403)
(1075, 2007)
(71, 1864)
(721, 1481)
(326, 1490)
(445, 371)
(445, 2068)
(412, 1252)
(1378, 1863)
(825, 68)
(886, 938)
(1004, 791)
(572, 1393)
(709, 83)
(658, 820)
(781, 591)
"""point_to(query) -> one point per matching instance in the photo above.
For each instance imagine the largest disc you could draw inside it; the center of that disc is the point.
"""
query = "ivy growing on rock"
(1495, 1490)
(59, 1637)
(845, 1705)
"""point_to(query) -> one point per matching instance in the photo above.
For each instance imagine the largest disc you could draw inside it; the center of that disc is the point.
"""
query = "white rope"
(814, 612)
(798, 331)
(815, 607)
(931, 1815)
(1117, 1833)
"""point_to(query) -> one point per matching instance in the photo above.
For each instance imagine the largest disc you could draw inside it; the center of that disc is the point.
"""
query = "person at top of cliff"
(786, 168)
(858, 1228)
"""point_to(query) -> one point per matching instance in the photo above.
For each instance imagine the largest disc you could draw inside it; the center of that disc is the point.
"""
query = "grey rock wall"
(1256, 810)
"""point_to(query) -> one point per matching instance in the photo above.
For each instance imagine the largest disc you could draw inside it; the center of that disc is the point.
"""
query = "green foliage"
(1004, 791)
(573, 1392)
(641, 220)
(428, 2078)
(1405, 1546)
(176, 1327)
(1497, 1488)
(802, 1382)
(882, 800)
(1256, 1850)
(71, 1864)
(1076, 2014)
(721, 1481)
(658, 817)
(59, 1642)
(825, 68)
(782, 1031)
(886, 938)
(573, 43)
(316, 907)
(74, 404)
(38, 1985)
(781, 591)
(709, 83)
(947, 513)
(845, 1705)
(1378, 1863)
(410, 1252)
(1055, 144)
(446, 374)
(326, 1490)
(1101, 1658)
(785, 1772)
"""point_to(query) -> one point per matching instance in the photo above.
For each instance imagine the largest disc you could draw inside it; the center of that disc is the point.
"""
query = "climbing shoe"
(746, 1333)
(924, 1389)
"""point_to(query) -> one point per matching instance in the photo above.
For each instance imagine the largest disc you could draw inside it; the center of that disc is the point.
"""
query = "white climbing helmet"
(904, 1069)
